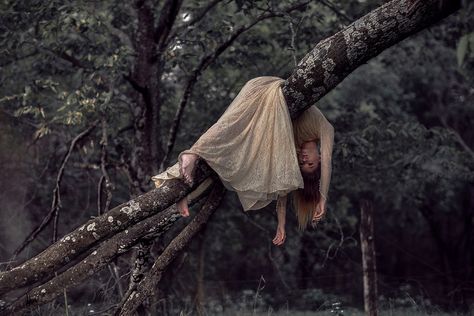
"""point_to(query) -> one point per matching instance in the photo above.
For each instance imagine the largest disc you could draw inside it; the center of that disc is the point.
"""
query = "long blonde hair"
(306, 200)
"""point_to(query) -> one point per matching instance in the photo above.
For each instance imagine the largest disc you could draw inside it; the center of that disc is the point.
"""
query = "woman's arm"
(326, 136)
(280, 235)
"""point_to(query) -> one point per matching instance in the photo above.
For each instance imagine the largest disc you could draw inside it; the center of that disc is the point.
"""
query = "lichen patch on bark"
(131, 209)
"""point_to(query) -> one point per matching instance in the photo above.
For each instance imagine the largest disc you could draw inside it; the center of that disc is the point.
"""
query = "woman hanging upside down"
(261, 154)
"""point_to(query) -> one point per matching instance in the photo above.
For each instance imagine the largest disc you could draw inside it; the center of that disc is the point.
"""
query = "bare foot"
(186, 167)
(183, 207)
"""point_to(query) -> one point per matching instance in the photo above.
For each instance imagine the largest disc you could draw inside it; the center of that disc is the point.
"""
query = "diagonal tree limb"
(150, 228)
(147, 286)
(94, 262)
(332, 59)
(98, 229)
(342, 52)
(56, 202)
(203, 64)
(193, 21)
(167, 18)
(337, 11)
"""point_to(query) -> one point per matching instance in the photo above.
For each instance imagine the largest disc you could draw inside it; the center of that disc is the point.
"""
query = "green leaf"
(462, 49)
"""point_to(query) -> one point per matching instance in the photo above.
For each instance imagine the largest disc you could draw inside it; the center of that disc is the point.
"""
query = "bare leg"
(186, 167)
(183, 207)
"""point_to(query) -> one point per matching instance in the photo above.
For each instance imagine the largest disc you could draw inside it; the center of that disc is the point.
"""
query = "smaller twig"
(56, 202)
(457, 137)
(105, 178)
(338, 12)
(292, 41)
(169, 12)
(135, 85)
(115, 275)
(193, 21)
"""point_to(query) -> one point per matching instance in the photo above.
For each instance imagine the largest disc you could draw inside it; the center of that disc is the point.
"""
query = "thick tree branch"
(98, 229)
(205, 62)
(332, 59)
(329, 62)
(147, 286)
(95, 261)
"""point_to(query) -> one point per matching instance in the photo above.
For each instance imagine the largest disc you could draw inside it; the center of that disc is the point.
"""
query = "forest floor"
(348, 312)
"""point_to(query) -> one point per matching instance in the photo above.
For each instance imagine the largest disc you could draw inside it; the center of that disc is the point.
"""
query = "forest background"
(105, 83)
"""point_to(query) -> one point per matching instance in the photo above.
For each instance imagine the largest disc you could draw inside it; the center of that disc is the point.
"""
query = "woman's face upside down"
(308, 157)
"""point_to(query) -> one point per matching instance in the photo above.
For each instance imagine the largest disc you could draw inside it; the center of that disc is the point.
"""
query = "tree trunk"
(144, 81)
(367, 244)
(321, 70)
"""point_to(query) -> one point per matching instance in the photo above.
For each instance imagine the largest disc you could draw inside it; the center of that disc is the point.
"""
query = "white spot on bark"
(94, 253)
(82, 228)
(126, 231)
(110, 219)
(131, 209)
(119, 223)
(43, 291)
(68, 238)
(73, 239)
(91, 227)
(73, 251)
(95, 235)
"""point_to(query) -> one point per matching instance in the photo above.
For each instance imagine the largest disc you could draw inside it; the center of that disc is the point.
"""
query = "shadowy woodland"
(98, 96)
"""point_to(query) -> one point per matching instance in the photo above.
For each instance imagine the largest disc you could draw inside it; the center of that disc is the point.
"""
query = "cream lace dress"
(253, 145)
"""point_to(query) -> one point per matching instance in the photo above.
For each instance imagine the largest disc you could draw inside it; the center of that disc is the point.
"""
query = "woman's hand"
(280, 235)
(319, 212)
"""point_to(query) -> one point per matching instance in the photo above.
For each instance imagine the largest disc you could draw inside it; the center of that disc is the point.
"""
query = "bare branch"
(73, 60)
(147, 286)
(334, 9)
(121, 35)
(95, 261)
(204, 63)
(193, 21)
(98, 229)
(167, 18)
(456, 135)
(332, 59)
(105, 178)
(135, 85)
(56, 203)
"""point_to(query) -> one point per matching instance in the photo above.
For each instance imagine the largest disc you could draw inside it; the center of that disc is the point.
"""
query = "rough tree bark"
(147, 286)
(145, 79)
(332, 59)
(322, 69)
(118, 219)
